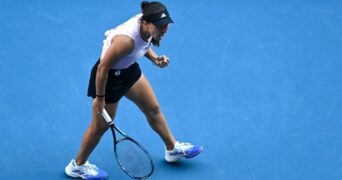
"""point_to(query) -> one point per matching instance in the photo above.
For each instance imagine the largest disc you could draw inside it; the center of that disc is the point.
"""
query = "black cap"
(159, 19)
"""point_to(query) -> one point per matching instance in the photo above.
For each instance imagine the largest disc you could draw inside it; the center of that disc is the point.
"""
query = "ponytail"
(144, 5)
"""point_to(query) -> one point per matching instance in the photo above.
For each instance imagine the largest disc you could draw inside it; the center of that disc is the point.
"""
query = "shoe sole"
(171, 160)
(76, 176)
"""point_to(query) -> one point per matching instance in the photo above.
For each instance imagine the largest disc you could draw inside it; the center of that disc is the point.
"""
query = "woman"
(117, 74)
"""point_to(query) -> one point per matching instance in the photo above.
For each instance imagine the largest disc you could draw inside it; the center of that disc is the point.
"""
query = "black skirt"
(118, 83)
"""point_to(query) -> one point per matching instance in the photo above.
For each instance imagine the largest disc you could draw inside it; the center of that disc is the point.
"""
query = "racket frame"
(114, 128)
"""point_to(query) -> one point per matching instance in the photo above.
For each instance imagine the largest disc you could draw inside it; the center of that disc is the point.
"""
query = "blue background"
(257, 83)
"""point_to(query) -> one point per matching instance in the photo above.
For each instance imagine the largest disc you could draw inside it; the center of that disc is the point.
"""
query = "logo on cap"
(163, 15)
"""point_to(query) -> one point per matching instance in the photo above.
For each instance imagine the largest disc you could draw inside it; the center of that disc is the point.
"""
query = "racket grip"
(106, 117)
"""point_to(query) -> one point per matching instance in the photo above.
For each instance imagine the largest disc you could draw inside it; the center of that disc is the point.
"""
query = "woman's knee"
(98, 130)
(153, 111)
(98, 127)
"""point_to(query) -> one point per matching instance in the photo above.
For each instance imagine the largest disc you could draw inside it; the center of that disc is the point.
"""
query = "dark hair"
(149, 8)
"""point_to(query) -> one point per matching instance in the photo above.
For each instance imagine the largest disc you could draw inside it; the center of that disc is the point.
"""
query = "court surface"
(257, 83)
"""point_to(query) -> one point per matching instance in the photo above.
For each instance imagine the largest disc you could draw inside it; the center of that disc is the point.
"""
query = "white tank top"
(130, 28)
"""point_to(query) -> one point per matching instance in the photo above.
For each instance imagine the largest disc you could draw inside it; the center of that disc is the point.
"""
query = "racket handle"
(106, 117)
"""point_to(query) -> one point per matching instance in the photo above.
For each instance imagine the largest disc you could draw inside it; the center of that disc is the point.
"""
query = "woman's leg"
(142, 94)
(94, 133)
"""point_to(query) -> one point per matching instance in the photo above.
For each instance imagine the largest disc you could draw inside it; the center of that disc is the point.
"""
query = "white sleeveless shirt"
(130, 28)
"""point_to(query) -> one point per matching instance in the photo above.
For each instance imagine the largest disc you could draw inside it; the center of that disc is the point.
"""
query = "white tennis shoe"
(85, 171)
(181, 150)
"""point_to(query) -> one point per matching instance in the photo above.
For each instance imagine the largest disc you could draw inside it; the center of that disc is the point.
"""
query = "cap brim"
(163, 22)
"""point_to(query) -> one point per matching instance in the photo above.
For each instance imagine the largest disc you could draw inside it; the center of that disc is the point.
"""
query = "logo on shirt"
(117, 73)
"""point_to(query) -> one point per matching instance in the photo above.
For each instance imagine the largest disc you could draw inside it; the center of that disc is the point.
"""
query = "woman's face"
(158, 32)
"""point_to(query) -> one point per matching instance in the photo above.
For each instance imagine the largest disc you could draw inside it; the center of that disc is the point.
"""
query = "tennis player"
(117, 74)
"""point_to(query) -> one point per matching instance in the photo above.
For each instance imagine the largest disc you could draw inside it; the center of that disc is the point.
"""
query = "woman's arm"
(121, 45)
(160, 61)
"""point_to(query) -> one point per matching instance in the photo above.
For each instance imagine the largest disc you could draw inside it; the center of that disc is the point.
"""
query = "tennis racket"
(131, 156)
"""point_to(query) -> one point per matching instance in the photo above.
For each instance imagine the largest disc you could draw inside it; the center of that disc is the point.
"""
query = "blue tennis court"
(257, 83)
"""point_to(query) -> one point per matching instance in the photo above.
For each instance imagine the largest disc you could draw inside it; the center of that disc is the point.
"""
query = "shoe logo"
(163, 15)
(176, 153)
(79, 172)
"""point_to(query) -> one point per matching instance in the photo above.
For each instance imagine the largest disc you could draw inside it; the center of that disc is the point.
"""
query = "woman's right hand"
(98, 104)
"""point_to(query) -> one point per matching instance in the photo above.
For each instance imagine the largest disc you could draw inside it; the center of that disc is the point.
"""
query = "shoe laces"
(90, 168)
(183, 146)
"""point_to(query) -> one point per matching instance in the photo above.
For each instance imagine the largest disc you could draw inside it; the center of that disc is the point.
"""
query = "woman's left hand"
(161, 61)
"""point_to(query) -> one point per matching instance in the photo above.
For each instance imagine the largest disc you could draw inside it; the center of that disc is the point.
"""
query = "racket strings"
(133, 159)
